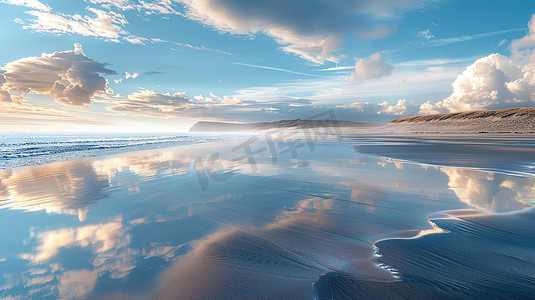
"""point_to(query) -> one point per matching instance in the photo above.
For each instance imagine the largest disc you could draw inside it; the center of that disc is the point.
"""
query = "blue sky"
(121, 65)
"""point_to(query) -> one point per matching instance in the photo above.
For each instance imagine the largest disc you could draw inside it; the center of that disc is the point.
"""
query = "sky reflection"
(139, 222)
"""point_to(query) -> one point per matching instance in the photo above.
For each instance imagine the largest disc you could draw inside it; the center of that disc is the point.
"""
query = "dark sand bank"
(509, 154)
(481, 257)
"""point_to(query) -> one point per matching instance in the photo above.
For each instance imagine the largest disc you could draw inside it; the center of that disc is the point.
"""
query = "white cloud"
(158, 7)
(529, 39)
(426, 63)
(426, 34)
(373, 67)
(337, 90)
(467, 37)
(108, 25)
(311, 29)
(399, 109)
(201, 98)
(358, 105)
(33, 4)
(149, 8)
(179, 105)
(120, 4)
(136, 40)
(300, 98)
(277, 69)
(159, 98)
(69, 76)
(493, 82)
(152, 103)
(133, 76)
(339, 68)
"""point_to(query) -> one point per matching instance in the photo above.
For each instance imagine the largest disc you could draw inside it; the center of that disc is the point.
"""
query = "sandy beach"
(337, 219)
(231, 149)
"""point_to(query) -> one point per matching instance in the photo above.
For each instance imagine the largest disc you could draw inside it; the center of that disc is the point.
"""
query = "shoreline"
(345, 133)
(103, 151)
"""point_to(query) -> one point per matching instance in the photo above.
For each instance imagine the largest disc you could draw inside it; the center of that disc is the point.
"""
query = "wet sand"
(326, 221)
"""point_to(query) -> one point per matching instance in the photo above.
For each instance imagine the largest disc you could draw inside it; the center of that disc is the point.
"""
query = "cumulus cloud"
(311, 29)
(399, 109)
(373, 67)
(69, 76)
(493, 82)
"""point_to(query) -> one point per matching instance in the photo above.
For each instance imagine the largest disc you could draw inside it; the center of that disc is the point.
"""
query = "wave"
(32, 149)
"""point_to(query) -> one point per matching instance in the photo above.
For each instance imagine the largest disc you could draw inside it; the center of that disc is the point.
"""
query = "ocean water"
(333, 221)
(24, 149)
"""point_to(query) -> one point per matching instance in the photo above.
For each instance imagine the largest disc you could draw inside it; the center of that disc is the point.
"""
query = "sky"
(134, 65)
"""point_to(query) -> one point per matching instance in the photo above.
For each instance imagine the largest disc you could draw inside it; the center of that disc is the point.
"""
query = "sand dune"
(514, 120)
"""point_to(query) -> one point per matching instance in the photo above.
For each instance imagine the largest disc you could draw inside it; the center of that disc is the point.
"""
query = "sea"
(25, 149)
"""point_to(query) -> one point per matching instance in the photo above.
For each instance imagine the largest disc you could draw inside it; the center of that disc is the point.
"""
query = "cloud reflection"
(481, 189)
(70, 187)
(491, 191)
(64, 188)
